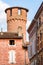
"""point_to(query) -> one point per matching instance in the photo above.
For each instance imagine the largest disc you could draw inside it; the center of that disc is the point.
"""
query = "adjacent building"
(35, 30)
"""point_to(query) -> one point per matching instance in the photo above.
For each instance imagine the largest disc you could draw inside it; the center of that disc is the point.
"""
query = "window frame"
(12, 45)
(19, 11)
(12, 57)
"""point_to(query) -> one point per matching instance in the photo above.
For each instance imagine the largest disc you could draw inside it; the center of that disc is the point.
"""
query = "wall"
(4, 52)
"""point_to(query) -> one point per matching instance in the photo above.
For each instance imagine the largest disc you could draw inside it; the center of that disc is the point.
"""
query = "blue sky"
(32, 5)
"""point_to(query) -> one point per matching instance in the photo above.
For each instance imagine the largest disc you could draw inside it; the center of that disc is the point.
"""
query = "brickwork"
(13, 22)
(4, 52)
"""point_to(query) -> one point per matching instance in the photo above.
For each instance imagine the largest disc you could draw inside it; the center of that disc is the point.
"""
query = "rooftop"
(8, 35)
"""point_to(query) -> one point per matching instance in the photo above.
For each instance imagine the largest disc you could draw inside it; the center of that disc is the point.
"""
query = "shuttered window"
(12, 57)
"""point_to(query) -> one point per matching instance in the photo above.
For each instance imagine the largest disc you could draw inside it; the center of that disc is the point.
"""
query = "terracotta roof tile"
(8, 35)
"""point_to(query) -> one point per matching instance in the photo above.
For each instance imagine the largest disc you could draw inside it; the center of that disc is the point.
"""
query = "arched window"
(20, 31)
(19, 28)
(12, 56)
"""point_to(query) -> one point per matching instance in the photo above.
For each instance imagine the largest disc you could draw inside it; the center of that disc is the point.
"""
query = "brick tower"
(16, 20)
(13, 42)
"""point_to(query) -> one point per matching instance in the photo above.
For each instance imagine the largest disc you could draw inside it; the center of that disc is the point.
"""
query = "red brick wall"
(13, 22)
(20, 53)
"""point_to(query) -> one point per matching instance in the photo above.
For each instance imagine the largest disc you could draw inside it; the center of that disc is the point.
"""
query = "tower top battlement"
(16, 13)
(16, 8)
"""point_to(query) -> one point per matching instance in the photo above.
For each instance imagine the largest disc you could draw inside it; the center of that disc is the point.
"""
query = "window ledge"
(12, 62)
(12, 45)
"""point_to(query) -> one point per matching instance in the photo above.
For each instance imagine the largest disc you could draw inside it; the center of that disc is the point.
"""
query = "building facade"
(35, 49)
(12, 49)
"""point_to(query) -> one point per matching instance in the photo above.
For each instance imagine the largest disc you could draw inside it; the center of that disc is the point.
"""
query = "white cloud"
(3, 6)
(27, 25)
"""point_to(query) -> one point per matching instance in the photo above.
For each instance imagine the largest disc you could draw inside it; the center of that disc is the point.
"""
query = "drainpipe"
(24, 52)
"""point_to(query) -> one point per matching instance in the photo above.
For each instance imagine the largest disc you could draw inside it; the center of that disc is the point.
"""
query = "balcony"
(25, 45)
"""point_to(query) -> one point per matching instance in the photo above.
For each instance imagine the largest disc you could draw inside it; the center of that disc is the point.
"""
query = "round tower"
(16, 20)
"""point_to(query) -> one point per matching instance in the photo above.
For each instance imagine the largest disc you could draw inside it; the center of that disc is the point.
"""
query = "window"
(19, 11)
(30, 51)
(40, 36)
(37, 25)
(11, 12)
(20, 31)
(19, 28)
(39, 21)
(33, 47)
(12, 42)
(12, 56)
